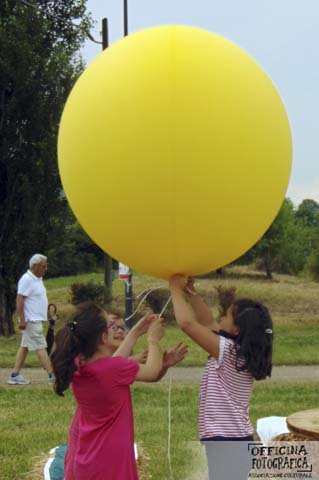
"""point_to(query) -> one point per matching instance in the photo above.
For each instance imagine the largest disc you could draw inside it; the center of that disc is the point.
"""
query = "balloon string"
(169, 428)
(165, 306)
(147, 290)
(150, 290)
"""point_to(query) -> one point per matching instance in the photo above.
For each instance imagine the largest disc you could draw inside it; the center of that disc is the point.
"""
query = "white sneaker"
(18, 380)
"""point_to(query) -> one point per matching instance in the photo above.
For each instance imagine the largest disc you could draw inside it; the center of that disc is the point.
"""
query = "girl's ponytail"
(80, 336)
(63, 357)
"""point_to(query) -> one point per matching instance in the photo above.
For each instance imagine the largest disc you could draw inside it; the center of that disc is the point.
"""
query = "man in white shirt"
(32, 307)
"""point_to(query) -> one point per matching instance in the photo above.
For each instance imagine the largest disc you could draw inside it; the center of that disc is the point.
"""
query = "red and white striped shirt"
(224, 396)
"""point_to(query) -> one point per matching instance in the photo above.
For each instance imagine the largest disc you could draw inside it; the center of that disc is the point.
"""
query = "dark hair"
(253, 344)
(52, 305)
(79, 336)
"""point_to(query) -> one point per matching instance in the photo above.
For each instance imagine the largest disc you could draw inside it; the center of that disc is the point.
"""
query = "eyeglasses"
(115, 327)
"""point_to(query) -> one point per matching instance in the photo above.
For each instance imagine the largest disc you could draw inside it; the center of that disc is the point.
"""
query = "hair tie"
(268, 330)
(72, 325)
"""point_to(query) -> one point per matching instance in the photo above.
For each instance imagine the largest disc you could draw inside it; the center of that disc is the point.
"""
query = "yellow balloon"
(174, 151)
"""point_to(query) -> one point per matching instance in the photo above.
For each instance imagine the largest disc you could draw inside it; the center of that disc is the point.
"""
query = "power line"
(88, 34)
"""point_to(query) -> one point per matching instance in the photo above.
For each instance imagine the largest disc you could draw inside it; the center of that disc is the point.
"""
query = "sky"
(281, 35)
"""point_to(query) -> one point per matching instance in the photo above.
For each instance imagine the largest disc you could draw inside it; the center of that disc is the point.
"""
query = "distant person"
(32, 307)
(52, 318)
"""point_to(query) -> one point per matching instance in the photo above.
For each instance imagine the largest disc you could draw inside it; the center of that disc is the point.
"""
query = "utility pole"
(129, 280)
(107, 259)
(125, 9)
(105, 33)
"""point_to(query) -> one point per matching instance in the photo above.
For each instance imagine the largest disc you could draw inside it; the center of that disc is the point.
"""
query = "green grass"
(33, 420)
(295, 344)
(293, 303)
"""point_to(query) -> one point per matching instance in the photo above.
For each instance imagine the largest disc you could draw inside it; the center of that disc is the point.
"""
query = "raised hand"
(156, 330)
(174, 355)
(143, 324)
(140, 357)
(189, 288)
(178, 282)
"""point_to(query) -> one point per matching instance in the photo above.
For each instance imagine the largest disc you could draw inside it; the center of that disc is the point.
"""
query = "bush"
(157, 299)
(226, 297)
(84, 292)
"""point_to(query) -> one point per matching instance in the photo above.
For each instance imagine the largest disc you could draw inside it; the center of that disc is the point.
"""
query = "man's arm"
(20, 310)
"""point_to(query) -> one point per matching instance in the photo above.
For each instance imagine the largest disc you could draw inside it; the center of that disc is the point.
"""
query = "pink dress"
(101, 437)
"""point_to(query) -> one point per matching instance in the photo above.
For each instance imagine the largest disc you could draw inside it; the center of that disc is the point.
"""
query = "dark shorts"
(249, 438)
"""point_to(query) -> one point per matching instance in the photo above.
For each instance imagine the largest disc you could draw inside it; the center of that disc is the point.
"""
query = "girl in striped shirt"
(240, 349)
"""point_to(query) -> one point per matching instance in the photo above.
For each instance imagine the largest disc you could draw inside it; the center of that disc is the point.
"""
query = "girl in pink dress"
(117, 333)
(103, 423)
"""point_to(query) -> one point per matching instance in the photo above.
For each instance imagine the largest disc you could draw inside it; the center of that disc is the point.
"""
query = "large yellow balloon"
(175, 151)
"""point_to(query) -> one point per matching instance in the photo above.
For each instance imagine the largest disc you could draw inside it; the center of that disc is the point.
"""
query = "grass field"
(292, 301)
(33, 420)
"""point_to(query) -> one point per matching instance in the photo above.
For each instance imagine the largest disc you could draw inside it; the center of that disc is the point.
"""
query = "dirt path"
(190, 374)
(289, 373)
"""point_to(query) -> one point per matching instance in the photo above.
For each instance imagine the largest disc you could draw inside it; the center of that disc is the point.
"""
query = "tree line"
(291, 244)
(39, 63)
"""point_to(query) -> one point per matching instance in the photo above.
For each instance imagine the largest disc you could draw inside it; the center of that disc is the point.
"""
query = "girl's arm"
(150, 371)
(139, 357)
(186, 318)
(141, 327)
(203, 314)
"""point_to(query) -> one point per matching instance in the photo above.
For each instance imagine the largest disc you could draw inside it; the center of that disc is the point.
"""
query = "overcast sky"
(282, 36)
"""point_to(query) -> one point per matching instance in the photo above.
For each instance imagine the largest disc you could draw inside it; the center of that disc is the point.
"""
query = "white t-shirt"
(35, 301)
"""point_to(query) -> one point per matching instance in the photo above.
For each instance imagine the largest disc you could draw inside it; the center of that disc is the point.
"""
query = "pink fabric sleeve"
(126, 371)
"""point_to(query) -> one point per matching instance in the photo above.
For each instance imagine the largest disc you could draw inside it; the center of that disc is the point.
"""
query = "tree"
(79, 253)
(269, 246)
(313, 264)
(307, 219)
(308, 213)
(38, 66)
